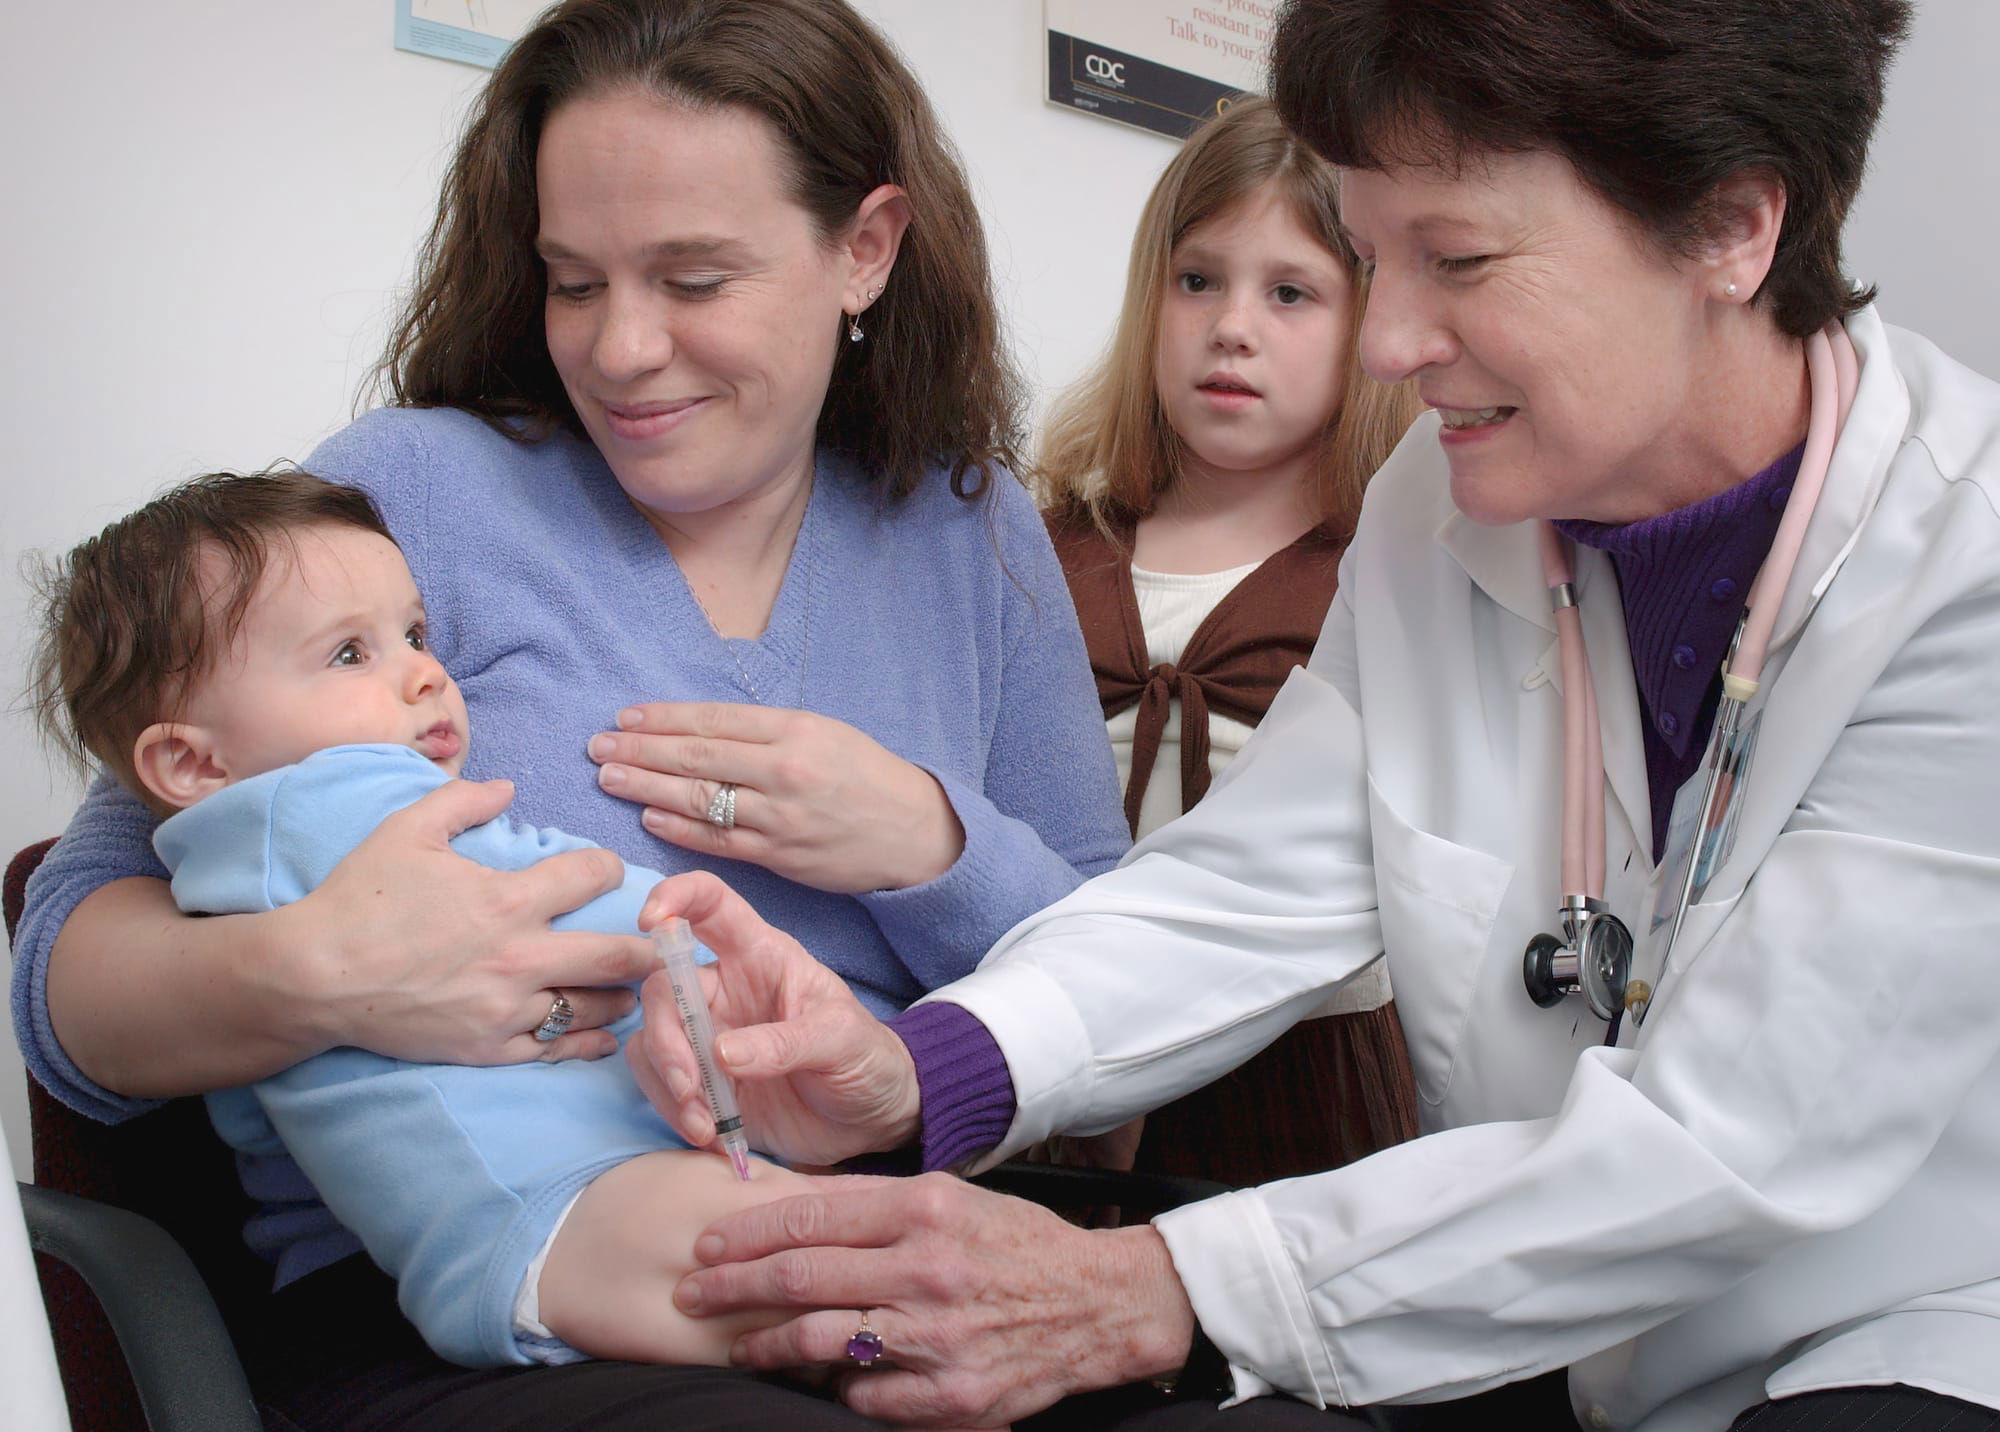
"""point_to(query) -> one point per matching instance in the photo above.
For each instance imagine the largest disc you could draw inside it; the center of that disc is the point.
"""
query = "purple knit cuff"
(962, 1081)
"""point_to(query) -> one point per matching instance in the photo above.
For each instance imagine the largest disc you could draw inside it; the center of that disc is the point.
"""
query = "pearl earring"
(1730, 289)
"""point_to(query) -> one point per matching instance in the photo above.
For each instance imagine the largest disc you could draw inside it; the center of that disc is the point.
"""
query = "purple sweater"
(1683, 576)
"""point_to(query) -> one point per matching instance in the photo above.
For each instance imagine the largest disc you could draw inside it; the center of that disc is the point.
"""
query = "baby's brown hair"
(133, 617)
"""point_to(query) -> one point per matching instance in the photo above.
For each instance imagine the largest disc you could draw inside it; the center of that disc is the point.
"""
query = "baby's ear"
(177, 763)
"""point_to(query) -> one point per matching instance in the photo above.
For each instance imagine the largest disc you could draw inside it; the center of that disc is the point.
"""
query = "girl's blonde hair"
(1108, 446)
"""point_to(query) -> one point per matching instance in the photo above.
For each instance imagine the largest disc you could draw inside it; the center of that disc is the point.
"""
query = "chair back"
(167, 1165)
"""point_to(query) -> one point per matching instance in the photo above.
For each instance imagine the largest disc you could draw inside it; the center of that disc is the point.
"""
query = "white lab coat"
(1790, 1177)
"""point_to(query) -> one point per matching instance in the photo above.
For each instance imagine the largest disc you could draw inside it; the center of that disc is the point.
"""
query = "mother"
(1605, 244)
(670, 424)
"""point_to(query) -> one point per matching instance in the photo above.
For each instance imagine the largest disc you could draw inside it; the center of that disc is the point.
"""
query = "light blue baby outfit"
(453, 1177)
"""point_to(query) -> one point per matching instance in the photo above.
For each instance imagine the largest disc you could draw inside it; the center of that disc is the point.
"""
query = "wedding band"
(722, 808)
(561, 1015)
(865, 1348)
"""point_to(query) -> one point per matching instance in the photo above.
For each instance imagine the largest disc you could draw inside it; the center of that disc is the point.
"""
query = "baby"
(247, 654)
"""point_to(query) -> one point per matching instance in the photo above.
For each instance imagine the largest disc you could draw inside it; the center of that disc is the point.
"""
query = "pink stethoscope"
(1593, 955)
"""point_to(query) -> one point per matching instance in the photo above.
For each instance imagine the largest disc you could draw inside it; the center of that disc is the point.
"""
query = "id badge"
(1729, 756)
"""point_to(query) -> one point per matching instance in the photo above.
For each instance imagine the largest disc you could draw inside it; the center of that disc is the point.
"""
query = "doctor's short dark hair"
(1655, 102)
(135, 616)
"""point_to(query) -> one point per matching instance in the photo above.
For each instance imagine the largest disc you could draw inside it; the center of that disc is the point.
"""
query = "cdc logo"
(1104, 71)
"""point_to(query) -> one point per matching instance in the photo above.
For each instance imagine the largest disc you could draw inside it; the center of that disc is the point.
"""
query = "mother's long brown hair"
(930, 384)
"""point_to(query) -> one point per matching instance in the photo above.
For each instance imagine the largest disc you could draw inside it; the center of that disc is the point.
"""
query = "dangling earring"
(854, 333)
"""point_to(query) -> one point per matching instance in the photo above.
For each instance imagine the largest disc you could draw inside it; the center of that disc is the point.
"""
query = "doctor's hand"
(989, 1308)
(818, 1078)
(815, 800)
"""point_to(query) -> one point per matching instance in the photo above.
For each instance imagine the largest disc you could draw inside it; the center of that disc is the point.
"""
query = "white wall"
(1928, 218)
(210, 204)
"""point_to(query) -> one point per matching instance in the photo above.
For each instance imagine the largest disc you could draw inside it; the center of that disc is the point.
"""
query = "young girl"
(1202, 486)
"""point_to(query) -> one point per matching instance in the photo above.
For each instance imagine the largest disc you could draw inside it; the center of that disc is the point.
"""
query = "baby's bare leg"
(608, 1286)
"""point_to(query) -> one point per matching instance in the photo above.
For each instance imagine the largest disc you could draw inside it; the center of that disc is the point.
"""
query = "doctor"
(1605, 243)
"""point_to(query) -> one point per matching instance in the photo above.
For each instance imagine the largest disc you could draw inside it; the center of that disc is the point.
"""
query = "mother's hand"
(429, 956)
(988, 1308)
(816, 800)
(818, 1077)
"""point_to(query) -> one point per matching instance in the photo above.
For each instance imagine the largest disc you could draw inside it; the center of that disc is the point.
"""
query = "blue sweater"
(940, 627)
(452, 1177)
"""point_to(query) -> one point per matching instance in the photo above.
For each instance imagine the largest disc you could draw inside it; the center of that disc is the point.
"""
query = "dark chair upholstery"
(178, 1353)
(167, 1166)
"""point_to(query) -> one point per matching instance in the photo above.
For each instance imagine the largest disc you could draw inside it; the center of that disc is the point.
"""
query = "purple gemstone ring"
(865, 1348)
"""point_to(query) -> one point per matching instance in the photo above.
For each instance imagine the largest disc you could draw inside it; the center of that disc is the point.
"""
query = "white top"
(1172, 607)
(1785, 1179)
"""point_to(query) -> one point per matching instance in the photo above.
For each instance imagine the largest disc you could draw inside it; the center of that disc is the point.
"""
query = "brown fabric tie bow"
(1234, 663)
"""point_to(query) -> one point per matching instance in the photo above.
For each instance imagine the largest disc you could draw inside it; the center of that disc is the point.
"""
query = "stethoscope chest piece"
(1592, 956)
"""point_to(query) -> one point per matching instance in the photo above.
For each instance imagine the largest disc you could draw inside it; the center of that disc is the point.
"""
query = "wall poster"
(473, 32)
(1163, 65)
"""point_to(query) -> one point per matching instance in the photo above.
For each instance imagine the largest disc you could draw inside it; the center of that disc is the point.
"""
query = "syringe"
(675, 942)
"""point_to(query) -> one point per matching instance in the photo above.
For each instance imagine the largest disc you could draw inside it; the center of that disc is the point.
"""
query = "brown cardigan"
(1234, 663)
(1329, 1090)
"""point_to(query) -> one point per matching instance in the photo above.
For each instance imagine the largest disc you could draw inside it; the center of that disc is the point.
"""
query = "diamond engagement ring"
(561, 1015)
(865, 1348)
(722, 808)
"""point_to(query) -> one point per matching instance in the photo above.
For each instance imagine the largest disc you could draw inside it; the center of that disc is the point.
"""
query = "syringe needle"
(675, 942)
